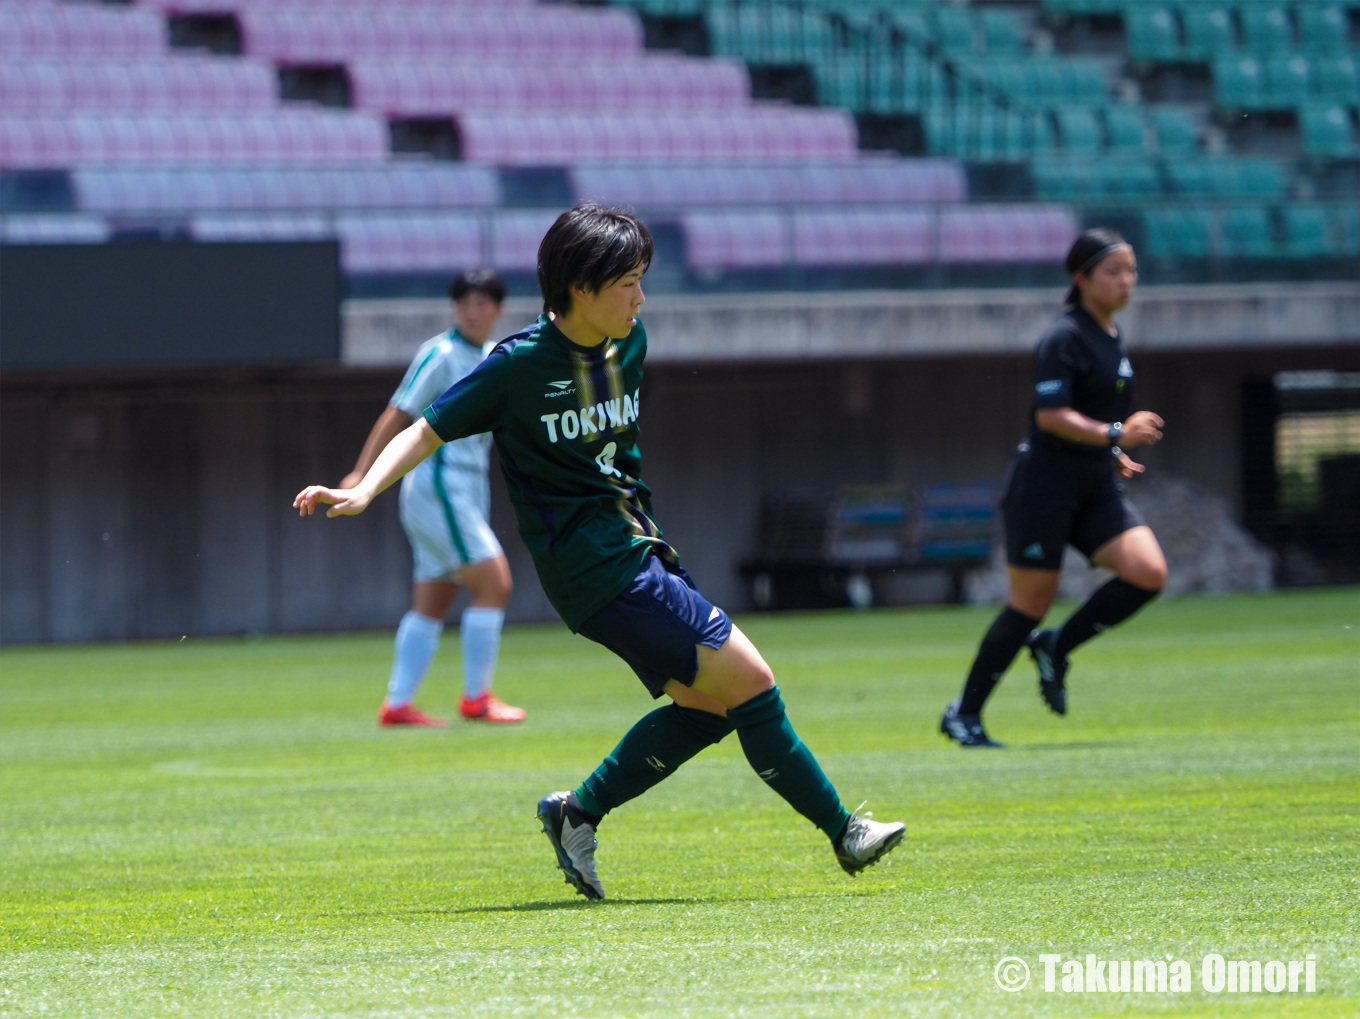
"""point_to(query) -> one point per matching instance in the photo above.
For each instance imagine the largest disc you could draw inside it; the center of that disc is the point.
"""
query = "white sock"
(480, 632)
(417, 641)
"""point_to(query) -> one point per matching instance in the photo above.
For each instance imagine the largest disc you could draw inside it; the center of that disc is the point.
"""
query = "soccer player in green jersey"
(562, 401)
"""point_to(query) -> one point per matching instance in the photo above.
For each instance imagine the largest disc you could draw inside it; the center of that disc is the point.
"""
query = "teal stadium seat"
(1226, 177)
(1306, 233)
(1095, 181)
(1208, 31)
(1327, 132)
(1347, 219)
(768, 34)
(1321, 29)
(985, 134)
(1152, 33)
(1239, 83)
(954, 29)
(1336, 79)
(1003, 31)
(1245, 233)
(1177, 133)
(1126, 129)
(1286, 81)
(1265, 28)
(1079, 131)
(1172, 234)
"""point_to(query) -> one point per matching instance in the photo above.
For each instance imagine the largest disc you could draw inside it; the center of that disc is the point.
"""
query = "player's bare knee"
(1150, 576)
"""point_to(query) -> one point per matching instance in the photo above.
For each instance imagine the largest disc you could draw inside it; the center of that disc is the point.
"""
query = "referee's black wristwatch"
(1112, 433)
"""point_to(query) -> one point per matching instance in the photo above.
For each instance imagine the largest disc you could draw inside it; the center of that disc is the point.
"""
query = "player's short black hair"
(1087, 252)
(483, 281)
(588, 247)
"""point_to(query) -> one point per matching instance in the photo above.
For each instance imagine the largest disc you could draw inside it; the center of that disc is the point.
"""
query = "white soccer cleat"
(573, 840)
(865, 841)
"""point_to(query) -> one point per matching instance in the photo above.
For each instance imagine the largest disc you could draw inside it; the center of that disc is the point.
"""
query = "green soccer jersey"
(565, 422)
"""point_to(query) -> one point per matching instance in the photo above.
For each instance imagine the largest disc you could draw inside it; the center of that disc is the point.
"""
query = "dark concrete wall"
(160, 505)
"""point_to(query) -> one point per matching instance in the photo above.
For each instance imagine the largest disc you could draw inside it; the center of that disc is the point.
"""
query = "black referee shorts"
(1054, 499)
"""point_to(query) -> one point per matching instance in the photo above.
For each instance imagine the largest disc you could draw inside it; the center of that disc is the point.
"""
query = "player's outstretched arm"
(402, 454)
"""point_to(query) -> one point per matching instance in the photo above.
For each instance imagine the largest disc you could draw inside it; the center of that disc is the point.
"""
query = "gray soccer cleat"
(865, 841)
(573, 840)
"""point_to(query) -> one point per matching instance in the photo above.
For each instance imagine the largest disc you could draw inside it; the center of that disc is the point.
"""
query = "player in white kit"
(445, 504)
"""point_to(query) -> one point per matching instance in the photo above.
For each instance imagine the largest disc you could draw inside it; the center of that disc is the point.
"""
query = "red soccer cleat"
(408, 714)
(490, 708)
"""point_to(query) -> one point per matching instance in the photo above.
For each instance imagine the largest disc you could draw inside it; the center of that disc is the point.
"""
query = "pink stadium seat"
(79, 30)
(311, 136)
(443, 242)
(61, 228)
(515, 237)
(734, 240)
(662, 186)
(863, 237)
(336, 34)
(1006, 233)
(169, 83)
(261, 228)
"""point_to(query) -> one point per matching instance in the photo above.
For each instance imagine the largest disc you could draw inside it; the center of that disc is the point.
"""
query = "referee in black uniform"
(1062, 489)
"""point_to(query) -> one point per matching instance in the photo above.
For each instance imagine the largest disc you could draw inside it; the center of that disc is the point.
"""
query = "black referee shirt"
(1079, 365)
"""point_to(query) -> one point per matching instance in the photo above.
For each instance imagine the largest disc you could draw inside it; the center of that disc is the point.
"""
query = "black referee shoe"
(1052, 668)
(965, 730)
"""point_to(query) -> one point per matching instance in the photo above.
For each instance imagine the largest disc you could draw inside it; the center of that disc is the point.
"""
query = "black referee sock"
(1003, 641)
(651, 750)
(1109, 605)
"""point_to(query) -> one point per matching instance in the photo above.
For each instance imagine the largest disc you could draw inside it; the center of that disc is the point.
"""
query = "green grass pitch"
(218, 828)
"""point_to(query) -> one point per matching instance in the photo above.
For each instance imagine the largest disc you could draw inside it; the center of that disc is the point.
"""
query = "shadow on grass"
(543, 905)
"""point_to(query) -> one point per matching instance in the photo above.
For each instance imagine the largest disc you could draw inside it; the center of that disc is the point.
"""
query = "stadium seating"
(955, 234)
(214, 188)
(672, 186)
(424, 88)
(170, 83)
(100, 139)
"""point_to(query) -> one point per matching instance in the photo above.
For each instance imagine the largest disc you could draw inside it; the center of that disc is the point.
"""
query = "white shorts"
(444, 513)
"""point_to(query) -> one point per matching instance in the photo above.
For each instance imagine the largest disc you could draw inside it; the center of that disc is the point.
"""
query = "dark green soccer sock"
(650, 751)
(785, 763)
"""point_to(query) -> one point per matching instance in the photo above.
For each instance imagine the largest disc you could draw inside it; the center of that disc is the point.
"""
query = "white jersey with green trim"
(441, 362)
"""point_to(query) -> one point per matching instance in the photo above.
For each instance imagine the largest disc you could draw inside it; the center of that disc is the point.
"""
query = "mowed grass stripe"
(218, 828)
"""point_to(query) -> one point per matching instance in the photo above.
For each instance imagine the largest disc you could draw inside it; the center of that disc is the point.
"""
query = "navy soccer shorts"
(1054, 499)
(656, 623)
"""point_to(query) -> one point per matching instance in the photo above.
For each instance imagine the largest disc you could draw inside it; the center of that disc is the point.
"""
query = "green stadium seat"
(1170, 234)
(954, 28)
(1327, 132)
(1306, 233)
(1177, 133)
(1085, 82)
(1336, 79)
(985, 134)
(1208, 31)
(1286, 81)
(1239, 83)
(1079, 131)
(1003, 30)
(1321, 29)
(1347, 219)
(1245, 233)
(1226, 177)
(1152, 33)
(1097, 180)
(1126, 128)
(1265, 28)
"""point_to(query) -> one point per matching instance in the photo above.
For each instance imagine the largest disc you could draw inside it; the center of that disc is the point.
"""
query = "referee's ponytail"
(1087, 252)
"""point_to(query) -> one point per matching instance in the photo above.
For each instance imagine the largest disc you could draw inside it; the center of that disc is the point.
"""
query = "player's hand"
(343, 502)
(1126, 466)
(1141, 429)
(351, 480)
